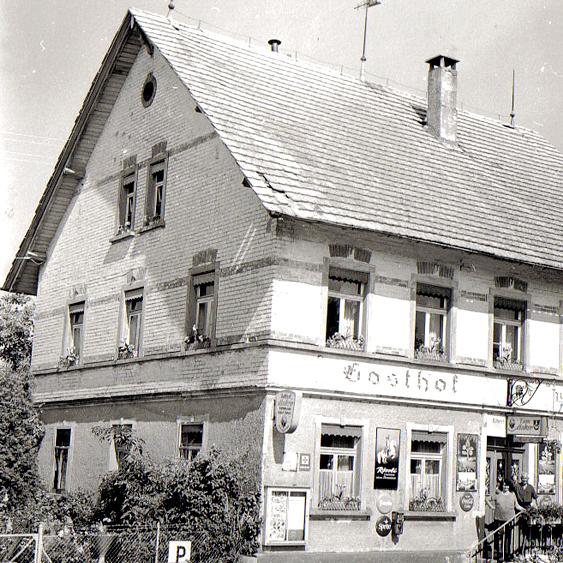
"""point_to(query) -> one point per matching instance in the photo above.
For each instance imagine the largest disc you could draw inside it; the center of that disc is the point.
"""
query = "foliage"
(210, 495)
(16, 329)
(21, 432)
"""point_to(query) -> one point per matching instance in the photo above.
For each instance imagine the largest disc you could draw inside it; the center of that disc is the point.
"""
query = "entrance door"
(504, 463)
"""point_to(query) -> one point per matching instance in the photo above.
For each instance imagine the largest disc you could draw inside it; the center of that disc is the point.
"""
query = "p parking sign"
(179, 551)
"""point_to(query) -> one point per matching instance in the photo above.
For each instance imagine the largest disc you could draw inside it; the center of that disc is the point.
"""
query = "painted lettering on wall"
(422, 381)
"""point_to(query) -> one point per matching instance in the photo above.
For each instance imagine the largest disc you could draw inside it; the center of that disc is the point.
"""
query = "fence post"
(39, 545)
(157, 542)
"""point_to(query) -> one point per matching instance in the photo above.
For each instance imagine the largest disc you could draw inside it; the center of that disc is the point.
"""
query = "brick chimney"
(442, 94)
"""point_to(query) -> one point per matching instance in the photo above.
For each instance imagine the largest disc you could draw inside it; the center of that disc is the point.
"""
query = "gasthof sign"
(287, 409)
(526, 425)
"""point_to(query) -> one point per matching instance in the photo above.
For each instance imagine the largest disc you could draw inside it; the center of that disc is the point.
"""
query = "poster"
(546, 470)
(387, 447)
(467, 451)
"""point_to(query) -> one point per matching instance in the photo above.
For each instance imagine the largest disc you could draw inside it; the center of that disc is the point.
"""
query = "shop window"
(345, 309)
(428, 471)
(508, 333)
(191, 440)
(286, 516)
(130, 345)
(339, 467)
(120, 444)
(202, 310)
(127, 196)
(154, 210)
(430, 335)
(62, 449)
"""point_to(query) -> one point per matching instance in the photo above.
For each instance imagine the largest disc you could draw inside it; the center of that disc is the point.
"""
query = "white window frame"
(69, 450)
(288, 490)
(503, 323)
(127, 201)
(190, 422)
(428, 312)
(75, 308)
(113, 464)
(129, 295)
(335, 453)
(208, 301)
(446, 465)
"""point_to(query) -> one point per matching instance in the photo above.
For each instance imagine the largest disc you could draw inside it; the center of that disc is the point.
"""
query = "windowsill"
(518, 370)
(122, 236)
(430, 516)
(340, 515)
(432, 361)
(156, 225)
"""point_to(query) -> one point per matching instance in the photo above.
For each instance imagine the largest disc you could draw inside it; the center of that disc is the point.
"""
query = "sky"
(50, 51)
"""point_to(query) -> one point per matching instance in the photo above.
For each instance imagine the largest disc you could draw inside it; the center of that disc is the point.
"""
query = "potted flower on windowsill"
(71, 358)
(196, 339)
(124, 229)
(338, 501)
(434, 351)
(425, 503)
(345, 342)
(153, 221)
(504, 360)
(125, 350)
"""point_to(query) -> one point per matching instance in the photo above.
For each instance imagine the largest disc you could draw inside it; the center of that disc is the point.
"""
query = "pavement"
(363, 557)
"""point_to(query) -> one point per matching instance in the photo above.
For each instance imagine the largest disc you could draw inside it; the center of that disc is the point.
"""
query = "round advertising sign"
(383, 526)
(466, 502)
(545, 501)
(384, 504)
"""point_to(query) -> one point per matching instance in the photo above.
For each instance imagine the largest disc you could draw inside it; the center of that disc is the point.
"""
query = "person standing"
(525, 493)
(505, 505)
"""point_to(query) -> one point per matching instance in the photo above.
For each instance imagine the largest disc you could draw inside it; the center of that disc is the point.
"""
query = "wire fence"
(136, 544)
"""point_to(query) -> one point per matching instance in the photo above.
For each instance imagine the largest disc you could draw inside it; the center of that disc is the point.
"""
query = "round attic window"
(149, 90)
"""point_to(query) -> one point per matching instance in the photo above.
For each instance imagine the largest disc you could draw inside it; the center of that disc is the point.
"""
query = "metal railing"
(522, 538)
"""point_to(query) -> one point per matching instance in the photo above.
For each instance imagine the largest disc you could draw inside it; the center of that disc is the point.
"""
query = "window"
(121, 445)
(62, 447)
(127, 194)
(76, 322)
(154, 212)
(202, 309)
(430, 335)
(428, 471)
(508, 332)
(338, 467)
(191, 440)
(286, 516)
(345, 309)
(133, 323)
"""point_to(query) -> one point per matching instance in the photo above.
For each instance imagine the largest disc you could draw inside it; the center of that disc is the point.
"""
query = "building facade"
(360, 291)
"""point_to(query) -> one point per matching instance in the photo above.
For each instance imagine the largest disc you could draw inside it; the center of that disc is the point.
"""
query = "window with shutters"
(339, 467)
(345, 309)
(61, 459)
(156, 193)
(132, 332)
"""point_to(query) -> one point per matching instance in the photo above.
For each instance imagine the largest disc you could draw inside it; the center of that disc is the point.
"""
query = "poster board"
(467, 462)
(546, 469)
(387, 454)
(286, 516)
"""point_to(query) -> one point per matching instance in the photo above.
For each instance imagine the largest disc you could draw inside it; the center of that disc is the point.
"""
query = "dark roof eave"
(12, 281)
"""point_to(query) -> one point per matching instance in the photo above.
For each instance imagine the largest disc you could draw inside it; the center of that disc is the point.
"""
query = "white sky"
(50, 51)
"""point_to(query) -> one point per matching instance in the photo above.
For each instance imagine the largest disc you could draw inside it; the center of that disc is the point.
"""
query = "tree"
(16, 329)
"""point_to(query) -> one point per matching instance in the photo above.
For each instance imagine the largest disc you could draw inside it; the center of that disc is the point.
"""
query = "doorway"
(505, 462)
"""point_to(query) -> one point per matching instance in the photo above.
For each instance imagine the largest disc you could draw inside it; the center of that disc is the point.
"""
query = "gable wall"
(206, 207)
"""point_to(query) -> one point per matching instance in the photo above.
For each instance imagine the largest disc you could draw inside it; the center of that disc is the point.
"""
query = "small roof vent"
(274, 44)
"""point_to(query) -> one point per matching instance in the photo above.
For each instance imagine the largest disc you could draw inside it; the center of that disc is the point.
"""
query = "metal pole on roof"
(512, 112)
(170, 8)
(367, 4)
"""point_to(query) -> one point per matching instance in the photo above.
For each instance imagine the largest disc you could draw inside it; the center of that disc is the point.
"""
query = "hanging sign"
(287, 409)
(466, 474)
(383, 526)
(546, 470)
(387, 444)
(466, 502)
(525, 425)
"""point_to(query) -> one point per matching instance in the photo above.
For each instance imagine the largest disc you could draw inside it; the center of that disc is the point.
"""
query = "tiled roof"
(320, 146)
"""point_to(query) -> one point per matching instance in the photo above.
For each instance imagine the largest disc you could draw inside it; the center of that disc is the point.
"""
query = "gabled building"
(359, 289)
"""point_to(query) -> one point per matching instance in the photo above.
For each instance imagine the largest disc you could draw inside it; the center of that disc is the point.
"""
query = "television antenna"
(367, 5)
